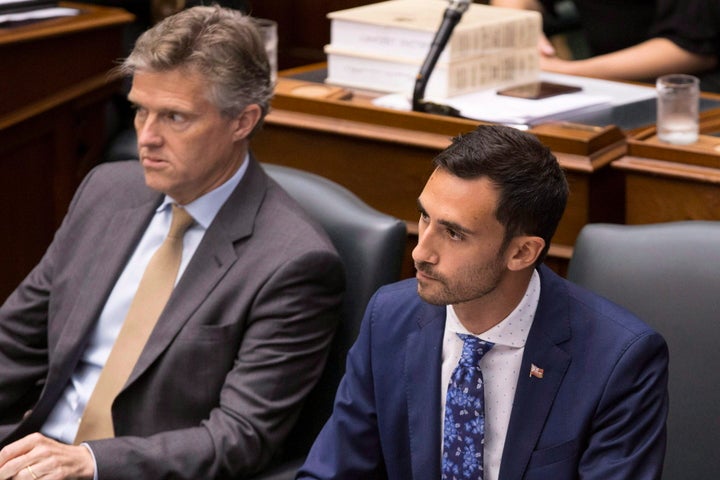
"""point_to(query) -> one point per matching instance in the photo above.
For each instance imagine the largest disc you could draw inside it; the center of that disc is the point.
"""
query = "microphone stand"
(451, 18)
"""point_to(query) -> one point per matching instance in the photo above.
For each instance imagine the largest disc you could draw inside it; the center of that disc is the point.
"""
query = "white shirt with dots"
(500, 367)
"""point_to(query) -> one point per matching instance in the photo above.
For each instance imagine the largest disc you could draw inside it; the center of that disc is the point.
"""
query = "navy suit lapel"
(534, 396)
(422, 377)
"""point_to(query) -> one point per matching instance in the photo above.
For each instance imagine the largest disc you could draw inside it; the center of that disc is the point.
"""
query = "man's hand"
(47, 459)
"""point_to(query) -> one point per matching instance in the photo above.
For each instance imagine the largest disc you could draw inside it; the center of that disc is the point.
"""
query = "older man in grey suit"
(242, 337)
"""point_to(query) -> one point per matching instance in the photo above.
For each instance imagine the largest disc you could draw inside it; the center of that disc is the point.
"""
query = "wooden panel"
(54, 55)
(52, 124)
(705, 152)
(26, 191)
(385, 156)
(662, 191)
(656, 198)
(388, 176)
(667, 182)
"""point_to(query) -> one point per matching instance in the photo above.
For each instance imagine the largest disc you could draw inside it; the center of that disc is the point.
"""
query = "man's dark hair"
(533, 189)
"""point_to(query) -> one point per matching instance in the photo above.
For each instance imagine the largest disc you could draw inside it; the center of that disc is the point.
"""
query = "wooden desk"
(384, 156)
(53, 97)
(666, 183)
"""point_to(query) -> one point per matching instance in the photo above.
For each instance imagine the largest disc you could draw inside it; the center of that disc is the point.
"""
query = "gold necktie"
(152, 294)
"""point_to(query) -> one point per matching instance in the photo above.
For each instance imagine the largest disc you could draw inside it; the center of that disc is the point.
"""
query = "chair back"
(371, 245)
(669, 275)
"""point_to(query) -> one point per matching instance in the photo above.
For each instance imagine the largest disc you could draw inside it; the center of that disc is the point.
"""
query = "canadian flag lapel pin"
(536, 371)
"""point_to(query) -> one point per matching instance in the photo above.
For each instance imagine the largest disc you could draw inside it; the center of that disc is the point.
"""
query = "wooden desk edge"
(663, 168)
(90, 16)
(559, 136)
(58, 98)
(352, 128)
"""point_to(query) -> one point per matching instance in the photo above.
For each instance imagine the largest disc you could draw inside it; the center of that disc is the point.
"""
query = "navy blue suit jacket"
(598, 413)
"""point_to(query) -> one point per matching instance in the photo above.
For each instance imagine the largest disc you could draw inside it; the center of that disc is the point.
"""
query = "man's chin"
(428, 296)
(156, 181)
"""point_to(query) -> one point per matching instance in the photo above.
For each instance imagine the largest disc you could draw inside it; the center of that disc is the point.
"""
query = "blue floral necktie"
(464, 431)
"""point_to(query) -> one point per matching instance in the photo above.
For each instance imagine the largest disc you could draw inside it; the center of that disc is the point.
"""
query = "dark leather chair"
(371, 245)
(669, 275)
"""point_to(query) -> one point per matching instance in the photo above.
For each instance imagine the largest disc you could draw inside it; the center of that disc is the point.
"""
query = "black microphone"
(452, 16)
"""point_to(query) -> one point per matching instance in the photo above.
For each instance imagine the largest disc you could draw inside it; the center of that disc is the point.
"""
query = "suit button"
(27, 414)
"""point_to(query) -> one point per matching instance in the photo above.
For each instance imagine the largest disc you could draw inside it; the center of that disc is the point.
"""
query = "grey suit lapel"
(534, 396)
(213, 258)
(105, 265)
(422, 377)
(206, 269)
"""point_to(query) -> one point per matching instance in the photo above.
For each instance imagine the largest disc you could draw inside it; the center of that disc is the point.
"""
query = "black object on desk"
(453, 14)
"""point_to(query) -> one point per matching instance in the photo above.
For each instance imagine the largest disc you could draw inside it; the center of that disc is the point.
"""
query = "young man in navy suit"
(574, 386)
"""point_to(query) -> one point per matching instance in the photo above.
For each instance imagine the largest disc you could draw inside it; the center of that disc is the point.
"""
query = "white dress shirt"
(500, 367)
(63, 422)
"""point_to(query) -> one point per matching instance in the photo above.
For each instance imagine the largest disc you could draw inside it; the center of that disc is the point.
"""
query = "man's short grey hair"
(221, 44)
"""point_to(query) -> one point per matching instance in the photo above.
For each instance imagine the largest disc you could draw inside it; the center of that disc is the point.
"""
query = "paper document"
(486, 105)
(39, 14)
(619, 93)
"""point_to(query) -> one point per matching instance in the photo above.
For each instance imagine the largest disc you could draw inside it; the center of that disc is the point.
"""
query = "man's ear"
(524, 251)
(245, 122)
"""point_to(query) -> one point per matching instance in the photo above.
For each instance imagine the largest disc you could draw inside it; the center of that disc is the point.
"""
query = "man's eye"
(453, 234)
(176, 117)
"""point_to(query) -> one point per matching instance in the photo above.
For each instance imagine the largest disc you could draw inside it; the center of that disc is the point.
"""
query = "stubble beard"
(471, 285)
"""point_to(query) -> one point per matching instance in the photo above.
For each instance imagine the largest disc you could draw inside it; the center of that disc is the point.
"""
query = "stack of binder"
(381, 47)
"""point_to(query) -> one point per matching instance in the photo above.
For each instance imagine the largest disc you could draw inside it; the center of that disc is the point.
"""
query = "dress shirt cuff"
(95, 475)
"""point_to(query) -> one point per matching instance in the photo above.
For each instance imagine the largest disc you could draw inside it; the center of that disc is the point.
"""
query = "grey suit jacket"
(241, 341)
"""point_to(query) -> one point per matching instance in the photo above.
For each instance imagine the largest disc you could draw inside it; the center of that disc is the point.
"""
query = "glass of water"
(268, 32)
(677, 108)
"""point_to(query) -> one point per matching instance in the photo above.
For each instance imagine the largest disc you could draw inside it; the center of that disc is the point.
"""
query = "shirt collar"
(513, 330)
(204, 208)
